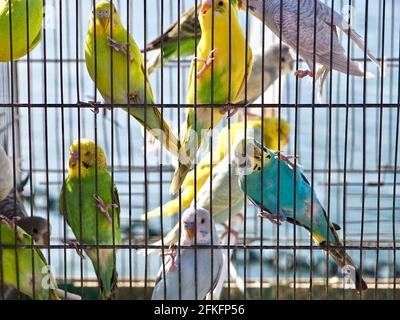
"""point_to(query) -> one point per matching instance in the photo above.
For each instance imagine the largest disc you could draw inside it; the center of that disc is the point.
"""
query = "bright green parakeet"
(17, 265)
(125, 56)
(258, 164)
(84, 208)
(19, 27)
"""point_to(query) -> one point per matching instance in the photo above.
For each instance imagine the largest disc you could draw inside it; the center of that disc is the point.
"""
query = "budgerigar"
(274, 58)
(329, 53)
(224, 200)
(6, 174)
(91, 209)
(21, 43)
(37, 227)
(113, 86)
(24, 268)
(256, 166)
(187, 30)
(190, 265)
(254, 129)
(213, 58)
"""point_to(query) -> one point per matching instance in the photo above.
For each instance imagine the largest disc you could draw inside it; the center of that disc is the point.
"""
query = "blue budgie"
(259, 166)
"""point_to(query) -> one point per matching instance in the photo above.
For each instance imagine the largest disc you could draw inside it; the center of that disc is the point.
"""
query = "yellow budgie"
(21, 43)
(213, 57)
(270, 137)
(124, 51)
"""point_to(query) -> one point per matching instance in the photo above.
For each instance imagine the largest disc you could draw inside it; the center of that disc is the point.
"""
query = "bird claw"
(304, 73)
(122, 47)
(93, 104)
(172, 253)
(274, 218)
(286, 159)
(228, 230)
(207, 62)
(104, 208)
(230, 110)
(75, 245)
(12, 223)
(134, 98)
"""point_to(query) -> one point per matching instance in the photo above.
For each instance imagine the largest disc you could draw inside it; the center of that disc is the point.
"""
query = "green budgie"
(256, 166)
(116, 86)
(101, 207)
(20, 46)
(33, 280)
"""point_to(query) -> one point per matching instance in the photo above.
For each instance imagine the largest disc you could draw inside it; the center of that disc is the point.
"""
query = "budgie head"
(250, 156)
(271, 133)
(282, 57)
(103, 13)
(221, 13)
(197, 221)
(37, 227)
(84, 153)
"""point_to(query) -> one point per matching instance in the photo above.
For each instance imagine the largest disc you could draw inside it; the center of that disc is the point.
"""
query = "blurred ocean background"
(42, 147)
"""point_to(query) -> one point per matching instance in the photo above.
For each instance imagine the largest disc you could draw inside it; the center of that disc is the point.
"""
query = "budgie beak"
(189, 227)
(240, 4)
(207, 5)
(104, 18)
(73, 157)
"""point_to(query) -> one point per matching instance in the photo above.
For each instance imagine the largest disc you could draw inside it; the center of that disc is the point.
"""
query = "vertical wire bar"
(96, 173)
(262, 150)
(296, 123)
(161, 148)
(229, 151)
(79, 140)
(128, 116)
(61, 70)
(245, 130)
(29, 140)
(333, 27)
(394, 187)
(279, 148)
(46, 145)
(146, 240)
(380, 152)
(179, 113)
(211, 153)
(364, 143)
(313, 148)
(346, 138)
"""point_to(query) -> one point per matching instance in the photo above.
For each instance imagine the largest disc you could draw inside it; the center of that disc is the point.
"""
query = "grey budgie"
(329, 54)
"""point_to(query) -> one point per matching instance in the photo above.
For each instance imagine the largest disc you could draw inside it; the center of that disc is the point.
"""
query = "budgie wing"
(185, 30)
(322, 30)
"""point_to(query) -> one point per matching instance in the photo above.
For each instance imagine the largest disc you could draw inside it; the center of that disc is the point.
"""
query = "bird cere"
(230, 152)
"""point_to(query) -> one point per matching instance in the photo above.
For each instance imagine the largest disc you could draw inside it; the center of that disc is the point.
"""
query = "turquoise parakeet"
(24, 268)
(259, 166)
(85, 207)
(21, 44)
(107, 35)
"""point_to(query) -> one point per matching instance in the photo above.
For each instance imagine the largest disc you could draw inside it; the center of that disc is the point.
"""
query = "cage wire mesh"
(346, 143)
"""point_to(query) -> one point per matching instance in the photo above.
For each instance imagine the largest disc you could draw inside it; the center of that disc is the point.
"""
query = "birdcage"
(344, 139)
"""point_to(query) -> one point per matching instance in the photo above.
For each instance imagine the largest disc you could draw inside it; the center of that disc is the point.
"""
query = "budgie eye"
(202, 221)
(87, 154)
(221, 3)
(283, 60)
